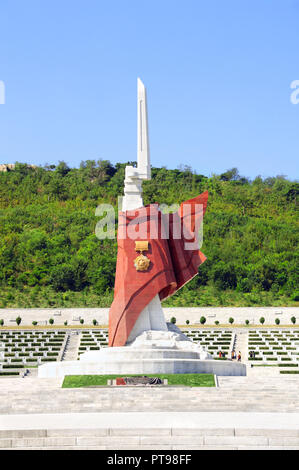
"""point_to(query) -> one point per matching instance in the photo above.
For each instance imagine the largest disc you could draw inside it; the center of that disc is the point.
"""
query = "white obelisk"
(134, 176)
(152, 316)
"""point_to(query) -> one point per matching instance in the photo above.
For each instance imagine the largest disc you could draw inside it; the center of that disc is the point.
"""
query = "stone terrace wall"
(222, 314)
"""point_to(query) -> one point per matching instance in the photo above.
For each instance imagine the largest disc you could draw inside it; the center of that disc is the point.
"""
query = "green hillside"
(50, 256)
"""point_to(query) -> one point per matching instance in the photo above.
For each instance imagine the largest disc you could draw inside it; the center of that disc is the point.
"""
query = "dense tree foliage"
(50, 256)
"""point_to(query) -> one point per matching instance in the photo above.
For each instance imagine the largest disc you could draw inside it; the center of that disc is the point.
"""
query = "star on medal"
(142, 262)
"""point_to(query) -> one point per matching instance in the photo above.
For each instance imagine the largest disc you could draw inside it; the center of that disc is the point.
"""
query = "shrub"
(81, 321)
(187, 322)
(65, 323)
(18, 320)
(293, 320)
(173, 320)
(51, 321)
(202, 320)
(247, 322)
(94, 322)
(34, 323)
(216, 322)
(1, 322)
(231, 320)
(62, 277)
(262, 320)
(277, 321)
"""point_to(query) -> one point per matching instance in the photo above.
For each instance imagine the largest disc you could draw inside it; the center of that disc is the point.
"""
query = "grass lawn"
(289, 372)
(189, 380)
(280, 364)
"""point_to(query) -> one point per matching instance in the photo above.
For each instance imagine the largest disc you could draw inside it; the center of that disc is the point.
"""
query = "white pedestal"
(153, 352)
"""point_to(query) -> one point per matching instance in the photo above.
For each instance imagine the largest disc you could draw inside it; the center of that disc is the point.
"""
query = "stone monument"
(166, 265)
(157, 254)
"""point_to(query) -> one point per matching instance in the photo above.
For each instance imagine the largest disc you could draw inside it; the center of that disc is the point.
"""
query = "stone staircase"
(249, 396)
(166, 439)
(273, 393)
(151, 431)
(70, 352)
(241, 344)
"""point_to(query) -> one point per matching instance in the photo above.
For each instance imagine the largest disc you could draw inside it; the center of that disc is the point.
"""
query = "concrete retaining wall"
(222, 314)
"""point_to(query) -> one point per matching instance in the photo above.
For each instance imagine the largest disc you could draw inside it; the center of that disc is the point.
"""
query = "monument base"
(153, 352)
(141, 366)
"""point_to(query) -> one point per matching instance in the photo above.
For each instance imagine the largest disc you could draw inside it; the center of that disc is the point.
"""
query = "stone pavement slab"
(181, 423)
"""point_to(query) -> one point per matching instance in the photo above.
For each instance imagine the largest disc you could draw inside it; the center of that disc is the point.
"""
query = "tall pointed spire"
(143, 154)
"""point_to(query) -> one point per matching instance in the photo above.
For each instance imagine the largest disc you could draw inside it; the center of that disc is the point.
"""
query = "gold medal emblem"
(141, 263)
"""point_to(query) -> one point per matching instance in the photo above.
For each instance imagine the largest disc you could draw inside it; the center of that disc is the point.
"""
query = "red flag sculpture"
(170, 264)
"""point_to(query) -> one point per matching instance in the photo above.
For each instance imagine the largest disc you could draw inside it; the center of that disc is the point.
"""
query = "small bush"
(187, 322)
(51, 321)
(65, 323)
(1, 322)
(293, 320)
(216, 322)
(34, 323)
(277, 321)
(202, 320)
(262, 320)
(81, 321)
(94, 322)
(18, 320)
(247, 322)
(231, 320)
(173, 320)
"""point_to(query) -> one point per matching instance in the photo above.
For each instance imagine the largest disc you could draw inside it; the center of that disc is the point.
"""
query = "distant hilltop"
(11, 166)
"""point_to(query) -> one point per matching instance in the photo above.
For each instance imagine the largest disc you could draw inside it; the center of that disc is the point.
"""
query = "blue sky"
(217, 73)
